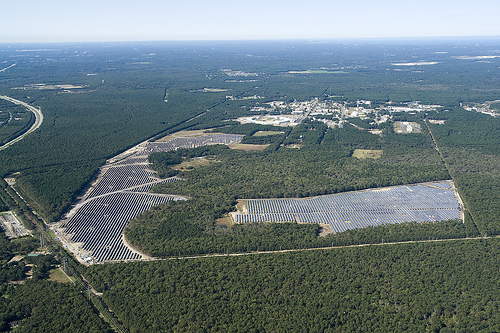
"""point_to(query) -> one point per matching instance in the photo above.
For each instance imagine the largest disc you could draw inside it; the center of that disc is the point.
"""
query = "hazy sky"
(120, 20)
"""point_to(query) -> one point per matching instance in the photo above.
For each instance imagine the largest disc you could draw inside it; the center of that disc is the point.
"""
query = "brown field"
(184, 134)
(247, 147)
(226, 220)
(267, 133)
(241, 206)
(326, 229)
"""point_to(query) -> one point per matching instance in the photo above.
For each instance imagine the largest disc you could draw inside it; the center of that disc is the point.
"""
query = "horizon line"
(288, 39)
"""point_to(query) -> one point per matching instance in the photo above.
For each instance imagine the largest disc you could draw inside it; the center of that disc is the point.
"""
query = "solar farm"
(430, 202)
(93, 228)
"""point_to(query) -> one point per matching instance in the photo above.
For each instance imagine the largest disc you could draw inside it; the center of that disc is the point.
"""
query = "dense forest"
(45, 306)
(470, 145)
(427, 287)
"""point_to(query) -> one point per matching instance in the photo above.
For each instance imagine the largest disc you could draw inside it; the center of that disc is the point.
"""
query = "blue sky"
(131, 20)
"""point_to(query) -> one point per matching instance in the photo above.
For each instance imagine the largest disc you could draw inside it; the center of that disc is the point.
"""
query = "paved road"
(38, 120)
(6, 68)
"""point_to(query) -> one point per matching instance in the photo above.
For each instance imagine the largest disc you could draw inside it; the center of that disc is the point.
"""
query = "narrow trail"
(453, 178)
(214, 255)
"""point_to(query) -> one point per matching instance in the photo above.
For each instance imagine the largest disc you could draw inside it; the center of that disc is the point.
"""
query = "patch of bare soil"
(185, 134)
(326, 229)
(226, 221)
(247, 147)
(241, 206)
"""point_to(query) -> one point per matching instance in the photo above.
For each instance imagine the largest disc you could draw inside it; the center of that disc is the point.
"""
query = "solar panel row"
(402, 197)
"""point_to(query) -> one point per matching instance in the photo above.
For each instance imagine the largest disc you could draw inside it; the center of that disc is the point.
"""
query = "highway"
(6, 68)
(38, 120)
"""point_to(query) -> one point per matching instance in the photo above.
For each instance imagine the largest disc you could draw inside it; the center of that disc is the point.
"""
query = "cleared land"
(405, 127)
(57, 275)
(186, 134)
(367, 153)
(248, 147)
(193, 163)
(12, 226)
(267, 133)
(226, 221)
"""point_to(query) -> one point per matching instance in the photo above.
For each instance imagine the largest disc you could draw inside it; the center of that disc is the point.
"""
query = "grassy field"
(367, 153)
(194, 163)
(267, 133)
(58, 275)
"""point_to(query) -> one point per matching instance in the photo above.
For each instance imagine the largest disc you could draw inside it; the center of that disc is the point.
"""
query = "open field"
(367, 153)
(58, 275)
(193, 163)
(183, 134)
(226, 221)
(248, 147)
(267, 133)
(188, 134)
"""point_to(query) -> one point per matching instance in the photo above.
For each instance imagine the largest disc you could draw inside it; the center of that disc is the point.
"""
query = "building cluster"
(485, 108)
(231, 72)
(332, 113)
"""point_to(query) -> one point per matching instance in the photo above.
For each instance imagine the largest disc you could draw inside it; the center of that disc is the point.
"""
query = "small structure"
(12, 226)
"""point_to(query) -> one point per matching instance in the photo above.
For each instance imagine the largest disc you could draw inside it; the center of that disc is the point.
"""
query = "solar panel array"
(121, 177)
(351, 210)
(99, 223)
(122, 193)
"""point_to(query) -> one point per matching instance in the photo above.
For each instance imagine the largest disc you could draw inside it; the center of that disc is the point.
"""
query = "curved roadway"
(38, 119)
